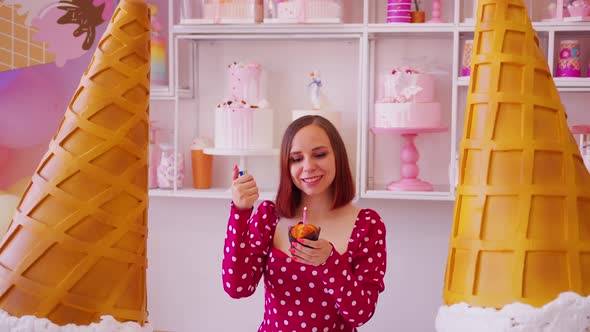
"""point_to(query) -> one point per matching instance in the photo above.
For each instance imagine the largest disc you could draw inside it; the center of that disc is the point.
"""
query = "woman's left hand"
(316, 255)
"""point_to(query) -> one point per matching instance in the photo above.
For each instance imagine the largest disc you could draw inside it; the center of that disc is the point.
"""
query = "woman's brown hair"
(288, 195)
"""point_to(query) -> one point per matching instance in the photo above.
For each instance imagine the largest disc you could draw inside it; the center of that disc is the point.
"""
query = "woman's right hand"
(244, 191)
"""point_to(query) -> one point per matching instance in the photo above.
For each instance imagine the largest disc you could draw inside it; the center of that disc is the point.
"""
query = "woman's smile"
(312, 181)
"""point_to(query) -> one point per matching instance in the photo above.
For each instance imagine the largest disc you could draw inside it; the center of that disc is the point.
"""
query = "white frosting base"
(407, 115)
(569, 312)
(10, 323)
(243, 128)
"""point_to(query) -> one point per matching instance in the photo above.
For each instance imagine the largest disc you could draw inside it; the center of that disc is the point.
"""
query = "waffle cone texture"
(76, 247)
(521, 225)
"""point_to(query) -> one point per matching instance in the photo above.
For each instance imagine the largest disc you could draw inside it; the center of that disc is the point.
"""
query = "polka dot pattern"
(339, 295)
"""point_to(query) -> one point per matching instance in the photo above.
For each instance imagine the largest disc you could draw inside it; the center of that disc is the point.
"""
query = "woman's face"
(311, 160)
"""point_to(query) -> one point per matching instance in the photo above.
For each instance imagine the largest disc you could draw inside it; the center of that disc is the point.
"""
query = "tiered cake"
(233, 11)
(243, 121)
(408, 101)
(308, 11)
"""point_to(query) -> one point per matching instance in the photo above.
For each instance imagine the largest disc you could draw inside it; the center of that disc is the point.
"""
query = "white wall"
(185, 247)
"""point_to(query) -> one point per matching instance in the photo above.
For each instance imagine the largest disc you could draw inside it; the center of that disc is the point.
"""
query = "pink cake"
(233, 11)
(243, 81)
(243, 122)
(309, 11)
(408, 101)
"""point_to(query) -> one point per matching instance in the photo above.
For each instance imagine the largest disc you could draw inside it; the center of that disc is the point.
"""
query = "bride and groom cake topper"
(317, 98)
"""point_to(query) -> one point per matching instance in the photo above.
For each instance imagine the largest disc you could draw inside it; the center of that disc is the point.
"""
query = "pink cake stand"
(409, 158)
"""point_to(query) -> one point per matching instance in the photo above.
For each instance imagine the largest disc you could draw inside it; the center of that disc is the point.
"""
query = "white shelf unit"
(580, 84)
(216, 193)
(167, 92)
(267, 29)
(441, 41)
(381, 154)
(213, 42)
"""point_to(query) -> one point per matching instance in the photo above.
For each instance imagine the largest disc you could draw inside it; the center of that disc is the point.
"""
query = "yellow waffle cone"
(76, 248)
(17, 49)
(521, 231)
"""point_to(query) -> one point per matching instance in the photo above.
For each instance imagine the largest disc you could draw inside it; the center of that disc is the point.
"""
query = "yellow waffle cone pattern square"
(17, 49)
(521, 227)
(76, 248)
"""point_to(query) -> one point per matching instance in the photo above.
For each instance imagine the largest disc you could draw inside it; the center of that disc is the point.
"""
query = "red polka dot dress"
(339, 295)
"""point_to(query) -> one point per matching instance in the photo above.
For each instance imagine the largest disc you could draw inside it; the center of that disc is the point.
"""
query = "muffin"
(303, 231)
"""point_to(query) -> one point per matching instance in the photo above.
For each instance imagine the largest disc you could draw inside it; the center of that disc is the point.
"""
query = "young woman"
(334, 283)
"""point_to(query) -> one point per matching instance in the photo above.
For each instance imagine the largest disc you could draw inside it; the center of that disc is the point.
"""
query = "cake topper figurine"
(314, 90)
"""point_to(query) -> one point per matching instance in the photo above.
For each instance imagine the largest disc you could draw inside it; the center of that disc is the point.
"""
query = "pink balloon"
(30, 110)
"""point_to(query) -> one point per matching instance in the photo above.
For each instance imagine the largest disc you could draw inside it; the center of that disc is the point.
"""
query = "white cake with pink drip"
(408, 101)
(232, 11)
(305, 11)
(243, 121)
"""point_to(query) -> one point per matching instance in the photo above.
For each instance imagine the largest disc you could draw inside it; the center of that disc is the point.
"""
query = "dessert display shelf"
(562, 83)
(372, 33)
(404, 27)
(438, 194)
(215, 193)
(540, 26)
(270, 29)
(242, 153)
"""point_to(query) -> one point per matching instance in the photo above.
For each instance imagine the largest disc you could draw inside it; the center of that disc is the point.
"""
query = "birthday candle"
(304, 215)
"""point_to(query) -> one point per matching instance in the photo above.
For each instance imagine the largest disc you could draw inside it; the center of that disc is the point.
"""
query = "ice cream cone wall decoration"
(521, 228)
(26, 52)
(76, 248)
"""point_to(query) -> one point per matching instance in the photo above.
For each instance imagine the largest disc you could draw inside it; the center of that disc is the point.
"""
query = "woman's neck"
(317, 205)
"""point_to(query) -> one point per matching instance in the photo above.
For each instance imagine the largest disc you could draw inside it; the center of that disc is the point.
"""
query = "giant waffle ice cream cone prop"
(76, 248)
(521, 228)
